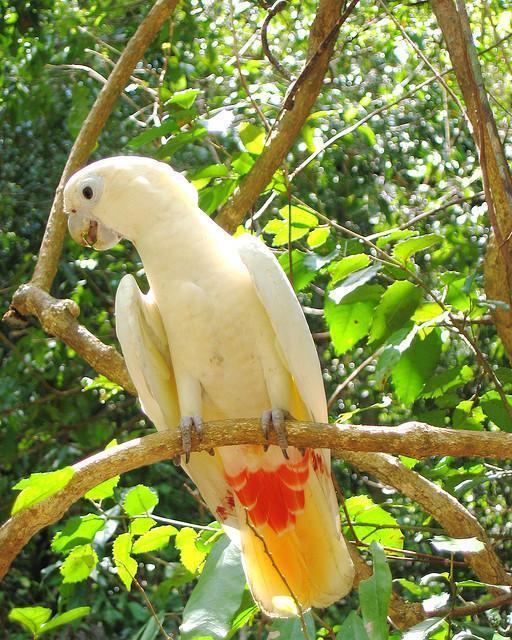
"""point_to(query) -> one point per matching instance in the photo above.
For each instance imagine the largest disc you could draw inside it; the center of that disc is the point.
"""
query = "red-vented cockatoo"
(221, 335)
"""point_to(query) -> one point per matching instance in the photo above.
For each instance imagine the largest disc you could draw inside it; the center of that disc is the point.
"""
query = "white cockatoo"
(220, 335)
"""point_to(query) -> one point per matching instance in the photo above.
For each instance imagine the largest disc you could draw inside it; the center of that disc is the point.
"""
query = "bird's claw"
(274, 419)
(188, 424)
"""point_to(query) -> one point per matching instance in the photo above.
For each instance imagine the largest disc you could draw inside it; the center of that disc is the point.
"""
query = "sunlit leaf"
(39, 486)
(79, 564)
(140, 500)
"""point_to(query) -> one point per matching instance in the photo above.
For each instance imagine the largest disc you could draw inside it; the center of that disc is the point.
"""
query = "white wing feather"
(288, 321)
(144, 344)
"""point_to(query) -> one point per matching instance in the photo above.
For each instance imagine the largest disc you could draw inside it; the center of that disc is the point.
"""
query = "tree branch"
(326, 25)
(454, 22)
(407, 439)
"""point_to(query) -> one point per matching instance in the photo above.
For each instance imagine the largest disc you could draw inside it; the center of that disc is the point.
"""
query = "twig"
(151, 608)
(353, 375)
(272, 11)
(472, 608)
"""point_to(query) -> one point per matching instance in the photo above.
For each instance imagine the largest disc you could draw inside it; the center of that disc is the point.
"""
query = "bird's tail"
(284, 514)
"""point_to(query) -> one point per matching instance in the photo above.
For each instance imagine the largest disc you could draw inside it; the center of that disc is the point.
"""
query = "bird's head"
(113, 198)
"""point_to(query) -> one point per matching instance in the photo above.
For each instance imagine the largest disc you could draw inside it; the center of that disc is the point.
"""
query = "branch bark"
(454, 22)
(321, 45)
(18, 530)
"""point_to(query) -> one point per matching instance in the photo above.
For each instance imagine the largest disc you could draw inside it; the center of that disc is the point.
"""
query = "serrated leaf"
(65, 618)
(416, 366)
(493, 407)
(440, 384)
(169, 126)
(103, 490)
(344, 267)
(375, 595)
(423, 629)
(362, 509)
(407, 248)
(355, 280)
(352, 628)
(300, 216)
(318, 237)
(40, 486)
(126, 565)
(140, 500)
(283, 232)
(185, 98)
(77, 531)
(139, 526)
(303, 271)
(79, 564)
(348, 323)
(217, 596)
(191, 557)
(252, 137)
(31, 618)
(457, 545)
(154, 539)
(396, 306)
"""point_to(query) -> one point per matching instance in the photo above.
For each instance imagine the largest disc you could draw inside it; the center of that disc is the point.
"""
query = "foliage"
(396, 282)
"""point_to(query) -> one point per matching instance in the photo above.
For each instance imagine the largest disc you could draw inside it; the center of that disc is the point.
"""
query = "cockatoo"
(220, 334)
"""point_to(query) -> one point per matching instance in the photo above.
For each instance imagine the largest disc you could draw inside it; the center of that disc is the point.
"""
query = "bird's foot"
(189, 424)
(274, 419)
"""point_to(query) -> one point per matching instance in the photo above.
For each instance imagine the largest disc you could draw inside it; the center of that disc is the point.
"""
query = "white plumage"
(222, 335)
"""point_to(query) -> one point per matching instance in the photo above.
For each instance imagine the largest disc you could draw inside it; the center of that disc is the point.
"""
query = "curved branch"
(18, 530)
(53, 239)
(455, 519)
(305, 91)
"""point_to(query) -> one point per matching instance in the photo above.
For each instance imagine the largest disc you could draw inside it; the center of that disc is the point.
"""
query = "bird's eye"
(87, 193)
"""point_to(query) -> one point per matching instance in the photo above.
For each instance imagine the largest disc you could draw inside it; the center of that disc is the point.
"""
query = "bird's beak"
(91, 233)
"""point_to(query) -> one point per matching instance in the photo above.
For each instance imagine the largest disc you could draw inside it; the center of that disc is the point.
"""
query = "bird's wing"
(144, 344)
(293, 337)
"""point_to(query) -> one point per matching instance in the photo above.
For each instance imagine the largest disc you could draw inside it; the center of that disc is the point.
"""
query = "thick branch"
(59, 318)
(454, 22)
(455, 519)
(51, 247)
(17, 531)
(326, 25)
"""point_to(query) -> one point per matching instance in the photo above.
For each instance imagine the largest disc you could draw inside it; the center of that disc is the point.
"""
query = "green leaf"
(31, 618)
(140, 500)
(178, 141)
(65, 618)
(184, 99)
(397, 305)
(191, 557)
(352, 628)
(40, 486)
(416, 366)
(154, 539)
(217, 596)
(77, 531)
(103, 490)
(213, 197)
(211, 171)
(375, 595)
(467, 416)
(407, 248)
(362, 509)
(252, 137)
(291, 628)
(440, 384)
(347, 265)
(138, 526)
(169, 126)
(348, 323)
(300, 216)
(318, 237)
(457, 545)
(493, 407)
(79, 564)
(423, 629)
(303, 269)
(368, 134)
(353, 281)
(126, 565)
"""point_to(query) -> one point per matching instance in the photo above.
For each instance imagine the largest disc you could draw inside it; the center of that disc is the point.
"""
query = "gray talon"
(187, 425)
(275, 419)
